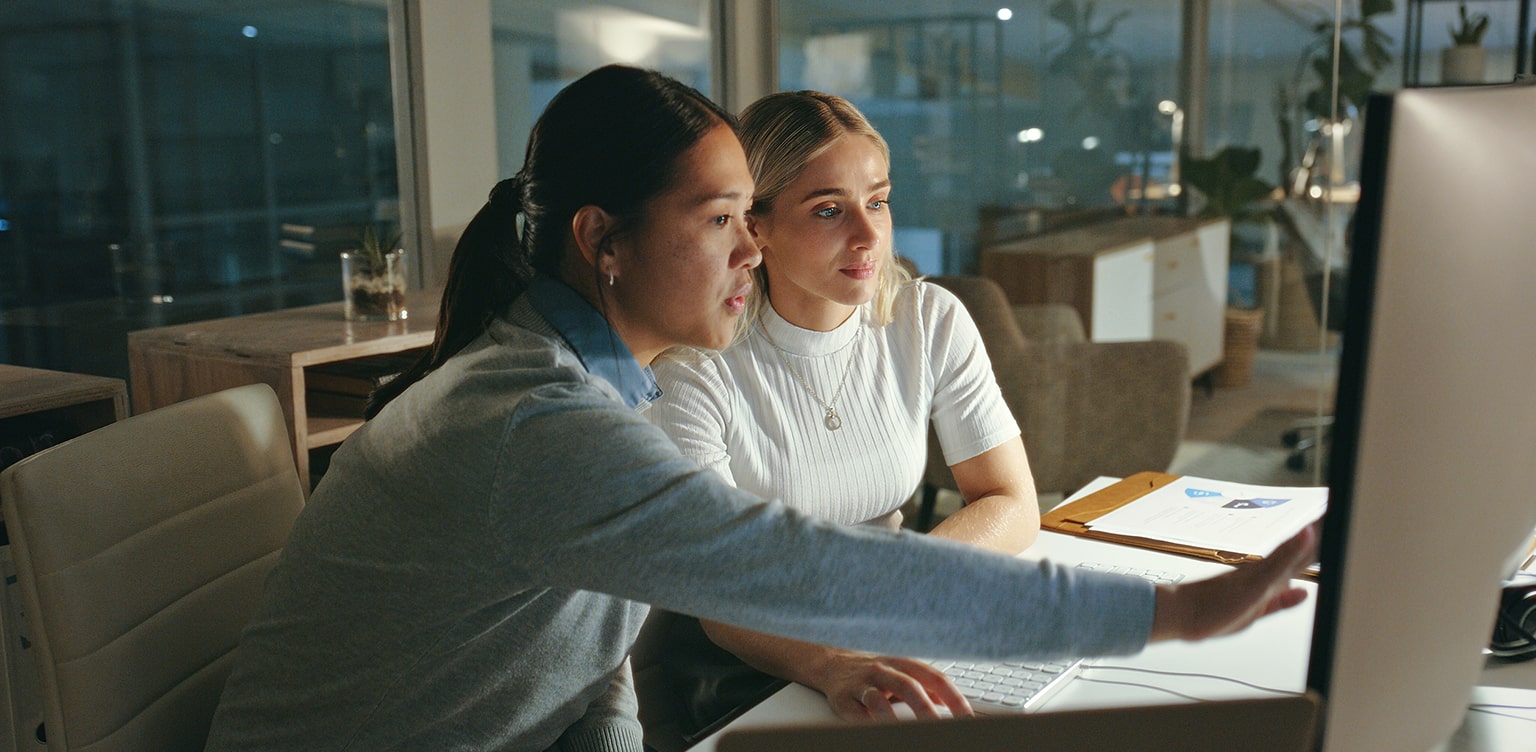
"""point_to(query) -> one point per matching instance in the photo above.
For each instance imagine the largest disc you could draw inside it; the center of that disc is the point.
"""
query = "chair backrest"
(988, 305)
(141, 550)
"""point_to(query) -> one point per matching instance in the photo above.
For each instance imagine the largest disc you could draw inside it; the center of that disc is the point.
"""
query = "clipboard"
(1073, 519)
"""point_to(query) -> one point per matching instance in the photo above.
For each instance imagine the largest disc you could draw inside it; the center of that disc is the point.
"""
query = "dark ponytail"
(611, 139)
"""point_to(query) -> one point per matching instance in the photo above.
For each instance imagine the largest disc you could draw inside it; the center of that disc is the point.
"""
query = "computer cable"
(1138, 685)
(1485, 708)
(1194, 675)
(1481, 707)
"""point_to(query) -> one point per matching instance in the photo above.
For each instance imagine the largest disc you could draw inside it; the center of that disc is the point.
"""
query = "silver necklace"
(831, 419)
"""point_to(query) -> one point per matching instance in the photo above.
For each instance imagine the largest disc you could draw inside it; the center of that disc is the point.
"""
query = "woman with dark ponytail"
(472, 570)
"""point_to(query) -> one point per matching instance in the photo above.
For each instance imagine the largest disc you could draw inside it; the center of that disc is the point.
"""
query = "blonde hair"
(784, 132)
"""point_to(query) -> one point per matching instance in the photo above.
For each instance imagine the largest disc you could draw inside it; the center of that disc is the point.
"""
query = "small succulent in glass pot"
(373, 278)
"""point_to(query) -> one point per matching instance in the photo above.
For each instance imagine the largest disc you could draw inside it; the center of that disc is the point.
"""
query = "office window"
(542, 45)
(152, 155)
(1049, 105)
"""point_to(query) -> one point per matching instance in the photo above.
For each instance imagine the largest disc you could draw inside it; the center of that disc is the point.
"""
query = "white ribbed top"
(744, 412)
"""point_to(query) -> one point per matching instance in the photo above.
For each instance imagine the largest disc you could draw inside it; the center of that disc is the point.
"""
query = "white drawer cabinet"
(1130, 279)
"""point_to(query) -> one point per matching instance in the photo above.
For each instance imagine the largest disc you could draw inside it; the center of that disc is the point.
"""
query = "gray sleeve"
(611, 723)
(612, 507)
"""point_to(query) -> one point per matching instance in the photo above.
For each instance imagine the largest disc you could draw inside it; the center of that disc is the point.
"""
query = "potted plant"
(1463, 62)
(1322, 110)
(1230, 184)
(373, 278)
(1231, 187)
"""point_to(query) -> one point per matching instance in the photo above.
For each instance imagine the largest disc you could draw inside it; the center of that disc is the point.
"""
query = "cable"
(1143, 686)
(1196, 676)
(1481, 705)
(1484, 708)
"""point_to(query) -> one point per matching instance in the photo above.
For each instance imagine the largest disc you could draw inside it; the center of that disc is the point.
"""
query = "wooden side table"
(39, 408)
(172, 363)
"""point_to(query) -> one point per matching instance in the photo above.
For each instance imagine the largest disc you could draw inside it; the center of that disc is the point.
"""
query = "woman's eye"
(880, 204)
(723, 219)
(829, 212)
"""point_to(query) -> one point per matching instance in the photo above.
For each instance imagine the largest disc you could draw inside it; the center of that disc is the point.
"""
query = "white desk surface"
(1271, 654)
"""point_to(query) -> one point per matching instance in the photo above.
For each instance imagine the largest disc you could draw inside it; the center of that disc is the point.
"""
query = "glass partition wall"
(164, 161)
(189, 159)
(1014, 122)
(1051, 106)
(542, 45)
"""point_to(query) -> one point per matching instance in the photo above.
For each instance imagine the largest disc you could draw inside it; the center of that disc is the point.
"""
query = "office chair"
(1085, 408)
(141, 549)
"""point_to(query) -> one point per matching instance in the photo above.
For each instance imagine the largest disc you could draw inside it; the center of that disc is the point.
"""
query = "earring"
(610, 280)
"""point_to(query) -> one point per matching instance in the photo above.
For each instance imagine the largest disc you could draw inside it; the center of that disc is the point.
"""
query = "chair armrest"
(1050, 323)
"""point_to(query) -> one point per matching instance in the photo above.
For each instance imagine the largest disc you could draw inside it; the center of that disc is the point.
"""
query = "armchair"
(1085, 408)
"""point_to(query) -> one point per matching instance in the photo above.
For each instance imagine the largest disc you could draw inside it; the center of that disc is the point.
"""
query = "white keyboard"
(1023, 686)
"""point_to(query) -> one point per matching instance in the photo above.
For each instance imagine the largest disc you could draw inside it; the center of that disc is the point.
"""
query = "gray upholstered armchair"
(1085, 408)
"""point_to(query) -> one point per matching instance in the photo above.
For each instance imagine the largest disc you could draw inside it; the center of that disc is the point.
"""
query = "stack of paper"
(1215, 514)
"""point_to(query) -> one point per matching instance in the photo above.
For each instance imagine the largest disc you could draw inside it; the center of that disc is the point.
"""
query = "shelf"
(327, 430)
(1414, 43)
(173, 363)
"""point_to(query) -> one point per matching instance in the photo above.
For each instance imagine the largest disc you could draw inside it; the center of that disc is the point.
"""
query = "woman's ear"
(756, 225)
(590, 227)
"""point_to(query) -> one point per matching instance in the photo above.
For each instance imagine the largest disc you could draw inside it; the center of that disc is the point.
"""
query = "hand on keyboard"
(861, 686)
(1017, 686)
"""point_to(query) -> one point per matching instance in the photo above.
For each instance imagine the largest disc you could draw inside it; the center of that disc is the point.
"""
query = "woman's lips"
(738, 301)
(865, 270)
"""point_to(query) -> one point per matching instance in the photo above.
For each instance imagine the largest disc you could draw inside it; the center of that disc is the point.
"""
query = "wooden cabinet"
(41, 408)
(1134, 278)
(172, 363)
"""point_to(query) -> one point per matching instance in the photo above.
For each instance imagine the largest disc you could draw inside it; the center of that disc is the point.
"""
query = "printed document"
(1219, 515)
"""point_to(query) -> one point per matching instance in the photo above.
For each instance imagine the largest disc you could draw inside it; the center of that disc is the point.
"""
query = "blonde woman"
(825, 399)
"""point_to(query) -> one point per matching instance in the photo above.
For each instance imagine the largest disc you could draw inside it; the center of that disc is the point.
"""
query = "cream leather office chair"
(141, 549)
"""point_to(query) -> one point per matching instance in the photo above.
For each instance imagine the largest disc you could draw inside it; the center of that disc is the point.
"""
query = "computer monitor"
(1432, 474)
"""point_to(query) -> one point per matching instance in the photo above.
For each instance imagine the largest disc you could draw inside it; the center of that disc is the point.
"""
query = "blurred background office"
(166, 161)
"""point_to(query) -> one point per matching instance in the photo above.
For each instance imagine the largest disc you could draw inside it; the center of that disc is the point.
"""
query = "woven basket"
(1239, 346)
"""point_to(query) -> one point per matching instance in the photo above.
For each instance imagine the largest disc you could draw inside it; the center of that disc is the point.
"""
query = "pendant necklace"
(831, 419)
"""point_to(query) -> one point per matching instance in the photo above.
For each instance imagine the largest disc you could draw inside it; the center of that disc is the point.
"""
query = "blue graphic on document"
(1256, 503)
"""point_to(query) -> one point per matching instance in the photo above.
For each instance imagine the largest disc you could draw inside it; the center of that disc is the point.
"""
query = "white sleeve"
(694, 409)
(969, 414)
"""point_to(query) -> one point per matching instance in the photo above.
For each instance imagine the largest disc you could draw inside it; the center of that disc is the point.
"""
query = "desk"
(1272, 653)
(172, 363)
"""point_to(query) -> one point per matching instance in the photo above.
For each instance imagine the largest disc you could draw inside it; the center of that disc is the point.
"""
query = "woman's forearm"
(800, 662)
(1002, 510)
(1002, 523)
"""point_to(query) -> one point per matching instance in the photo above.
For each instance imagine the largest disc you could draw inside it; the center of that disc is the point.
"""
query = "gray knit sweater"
(472, 570)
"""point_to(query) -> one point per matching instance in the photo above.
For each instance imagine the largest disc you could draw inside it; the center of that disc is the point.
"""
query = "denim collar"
(595, 342)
